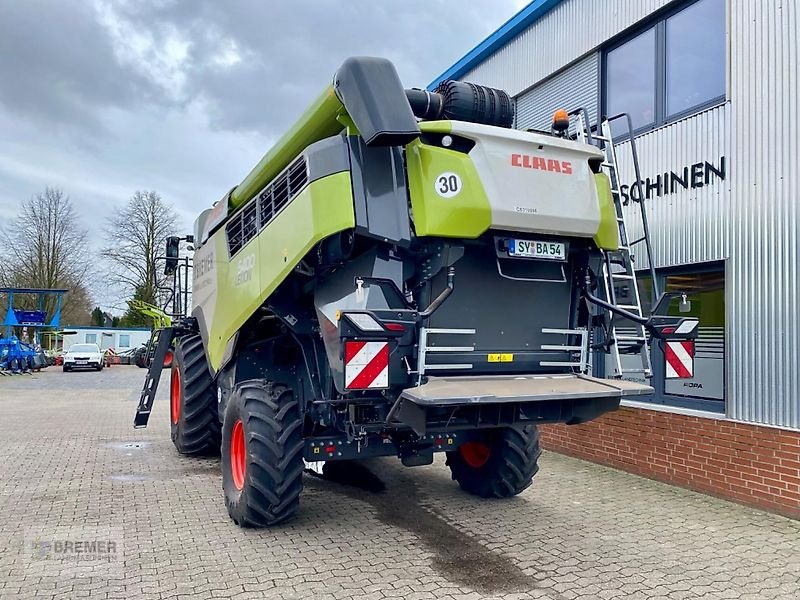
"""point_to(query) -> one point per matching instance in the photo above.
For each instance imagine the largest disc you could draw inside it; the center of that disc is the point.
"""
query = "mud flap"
(161, 340)
(496, 401)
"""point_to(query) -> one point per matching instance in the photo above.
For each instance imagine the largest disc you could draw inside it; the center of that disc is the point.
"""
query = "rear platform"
(465, 402)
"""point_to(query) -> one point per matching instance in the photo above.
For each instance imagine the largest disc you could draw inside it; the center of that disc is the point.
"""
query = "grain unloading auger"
(401, 274)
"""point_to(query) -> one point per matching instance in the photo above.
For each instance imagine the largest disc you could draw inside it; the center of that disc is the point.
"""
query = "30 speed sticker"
(447, 185)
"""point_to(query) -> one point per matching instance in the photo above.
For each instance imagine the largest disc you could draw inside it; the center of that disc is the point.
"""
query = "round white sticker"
(447, 185)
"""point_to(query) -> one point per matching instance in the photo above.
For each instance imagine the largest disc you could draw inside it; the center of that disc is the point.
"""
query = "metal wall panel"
(569, 31)
(764, 212)
(576, 86)
(687, 225)
(750, 220)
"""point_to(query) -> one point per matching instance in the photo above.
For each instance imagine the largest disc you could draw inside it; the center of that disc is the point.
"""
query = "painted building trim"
(505, 33)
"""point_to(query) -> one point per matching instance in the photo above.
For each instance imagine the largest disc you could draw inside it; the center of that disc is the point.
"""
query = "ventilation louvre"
(257, 214)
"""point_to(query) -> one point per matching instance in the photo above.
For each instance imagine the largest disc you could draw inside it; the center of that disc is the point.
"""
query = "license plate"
(537, 249)
(82, 362)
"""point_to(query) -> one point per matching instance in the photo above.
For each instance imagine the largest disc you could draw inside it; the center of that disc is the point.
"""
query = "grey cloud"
(63, 62)
(103, 97)
(57, 64)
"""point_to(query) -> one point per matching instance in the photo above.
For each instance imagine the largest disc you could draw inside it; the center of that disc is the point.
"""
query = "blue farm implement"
(17, 356)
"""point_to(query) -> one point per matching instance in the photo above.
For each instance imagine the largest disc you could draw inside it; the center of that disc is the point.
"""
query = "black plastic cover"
(375, 99)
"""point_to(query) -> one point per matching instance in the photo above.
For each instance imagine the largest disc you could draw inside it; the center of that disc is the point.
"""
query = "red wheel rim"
(175, 396)
(168, 358)
(238, 455)
(475, 454)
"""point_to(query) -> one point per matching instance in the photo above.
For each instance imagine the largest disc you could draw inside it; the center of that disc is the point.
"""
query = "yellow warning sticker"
(503, 357)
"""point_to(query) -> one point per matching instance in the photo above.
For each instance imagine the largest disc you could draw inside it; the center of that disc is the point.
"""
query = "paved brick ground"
(72, 468)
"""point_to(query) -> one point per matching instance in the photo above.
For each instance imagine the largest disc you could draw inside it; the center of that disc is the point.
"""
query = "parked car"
(83, 356)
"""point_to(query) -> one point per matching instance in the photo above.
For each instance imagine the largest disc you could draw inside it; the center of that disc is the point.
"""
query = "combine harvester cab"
(403, 274)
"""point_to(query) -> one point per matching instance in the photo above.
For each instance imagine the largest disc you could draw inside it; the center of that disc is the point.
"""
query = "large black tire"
(502, 464)
(194, 420)
(262, 454)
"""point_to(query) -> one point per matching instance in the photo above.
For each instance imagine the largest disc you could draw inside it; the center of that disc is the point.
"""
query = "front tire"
(500, 464)
(194, 421)
(262, 454)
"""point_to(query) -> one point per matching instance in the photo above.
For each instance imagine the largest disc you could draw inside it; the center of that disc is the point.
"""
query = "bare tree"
(46, 248)
(136, 236)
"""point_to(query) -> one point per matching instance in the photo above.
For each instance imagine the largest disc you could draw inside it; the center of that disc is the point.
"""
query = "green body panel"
(316, 123)
(325, 207)
(607, 236)
(466, 215)
(436, 126)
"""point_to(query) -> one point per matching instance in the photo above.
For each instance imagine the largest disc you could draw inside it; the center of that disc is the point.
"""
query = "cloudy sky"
(104, 97)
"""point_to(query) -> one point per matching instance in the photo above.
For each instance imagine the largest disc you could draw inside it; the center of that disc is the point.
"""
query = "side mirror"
(171, 264)
(686, 305)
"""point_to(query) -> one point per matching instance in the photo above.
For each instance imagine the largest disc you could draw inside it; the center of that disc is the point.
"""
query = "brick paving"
(73, 469)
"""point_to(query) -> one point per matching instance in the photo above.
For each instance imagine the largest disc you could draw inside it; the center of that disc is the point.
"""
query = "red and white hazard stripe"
(366, 365)
(679, 359)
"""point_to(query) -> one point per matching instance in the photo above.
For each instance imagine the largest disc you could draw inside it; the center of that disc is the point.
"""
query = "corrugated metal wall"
(751, 219)
(687, 225)
(763, 215)
(578, 83)
(569, 31)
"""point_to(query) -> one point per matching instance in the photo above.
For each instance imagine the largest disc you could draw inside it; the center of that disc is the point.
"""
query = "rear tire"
(262, 454)
(194, 421)
(500, 465)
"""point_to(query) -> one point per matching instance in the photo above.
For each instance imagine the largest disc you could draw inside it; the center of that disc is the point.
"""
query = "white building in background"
(107, 337)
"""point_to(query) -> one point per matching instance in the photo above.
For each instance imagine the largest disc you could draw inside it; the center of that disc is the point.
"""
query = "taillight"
(364, 322)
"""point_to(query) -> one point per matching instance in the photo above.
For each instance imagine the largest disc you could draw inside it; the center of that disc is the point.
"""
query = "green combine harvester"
(402, 274)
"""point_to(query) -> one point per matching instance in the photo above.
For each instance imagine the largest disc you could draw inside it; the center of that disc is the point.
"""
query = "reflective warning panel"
(366, 365)
(679, 358)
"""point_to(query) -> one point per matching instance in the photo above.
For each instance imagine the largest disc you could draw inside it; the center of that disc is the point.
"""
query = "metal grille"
(262, 209)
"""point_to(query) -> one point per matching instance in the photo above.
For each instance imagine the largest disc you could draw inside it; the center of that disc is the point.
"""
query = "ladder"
(619, 275)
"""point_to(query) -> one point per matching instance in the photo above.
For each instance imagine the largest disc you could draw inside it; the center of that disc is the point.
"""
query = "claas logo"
(526, 161)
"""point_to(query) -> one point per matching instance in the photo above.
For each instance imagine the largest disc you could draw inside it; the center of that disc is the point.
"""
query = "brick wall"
(754, 465)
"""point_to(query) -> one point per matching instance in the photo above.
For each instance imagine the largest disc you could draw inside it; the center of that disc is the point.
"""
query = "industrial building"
(713, 92)
(118, 338)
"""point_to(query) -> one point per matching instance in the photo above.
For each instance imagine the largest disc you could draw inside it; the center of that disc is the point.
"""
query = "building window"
(90, 338)
(695, 56)
(124, 340)
(673, 68)
(706, 294)
(631, 79)
(705, 289)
